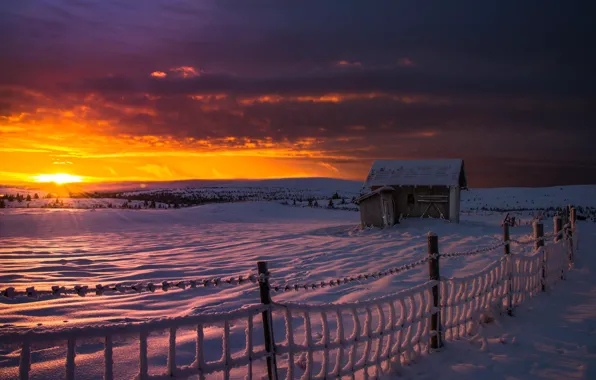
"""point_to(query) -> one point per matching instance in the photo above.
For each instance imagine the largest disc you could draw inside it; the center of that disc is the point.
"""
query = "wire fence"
(99, 289)
(319, 341)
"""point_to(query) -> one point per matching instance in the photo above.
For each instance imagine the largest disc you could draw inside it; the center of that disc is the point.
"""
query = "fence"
(319, 341)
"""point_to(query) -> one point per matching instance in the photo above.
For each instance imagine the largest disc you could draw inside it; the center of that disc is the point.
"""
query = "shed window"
(411, 199)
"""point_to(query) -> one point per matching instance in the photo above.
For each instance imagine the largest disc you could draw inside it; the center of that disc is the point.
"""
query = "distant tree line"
(177, 198)
(331, 202)
(19, 197)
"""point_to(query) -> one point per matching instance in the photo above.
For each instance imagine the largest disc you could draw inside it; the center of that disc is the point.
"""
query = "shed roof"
(446, 172)
(377, 191)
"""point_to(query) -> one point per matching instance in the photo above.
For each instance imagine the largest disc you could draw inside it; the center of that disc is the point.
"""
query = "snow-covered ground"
(45, 247)
(552, 336)
(65, 247)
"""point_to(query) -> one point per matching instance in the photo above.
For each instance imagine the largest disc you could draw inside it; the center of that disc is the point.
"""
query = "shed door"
(435, 204)
(388, 216)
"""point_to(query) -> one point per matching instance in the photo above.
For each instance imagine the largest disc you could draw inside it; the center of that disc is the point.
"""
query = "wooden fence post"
(559, 234)
(436, 341)
(507, 247)
(267, 319)
(506, 239)
(570, 233)
(558, 223)
(539, 243)
(25, 361)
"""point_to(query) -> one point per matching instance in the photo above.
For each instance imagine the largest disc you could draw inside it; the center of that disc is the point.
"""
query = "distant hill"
(295, 183)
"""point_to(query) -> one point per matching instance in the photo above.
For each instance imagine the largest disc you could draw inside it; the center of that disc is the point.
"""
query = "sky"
(164, 90)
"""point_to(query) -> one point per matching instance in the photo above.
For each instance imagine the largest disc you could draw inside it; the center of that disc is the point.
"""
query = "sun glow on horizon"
(58, 178)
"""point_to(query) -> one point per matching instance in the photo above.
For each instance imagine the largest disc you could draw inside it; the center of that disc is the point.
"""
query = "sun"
(58, 178)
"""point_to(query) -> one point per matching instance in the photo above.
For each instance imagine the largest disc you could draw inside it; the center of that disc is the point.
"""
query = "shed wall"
(407, 203)
(404, 205)
(370, 211)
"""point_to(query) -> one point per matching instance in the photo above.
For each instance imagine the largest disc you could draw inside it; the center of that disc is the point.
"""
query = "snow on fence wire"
(241, 323)
(83, 290)
(349, 279)
(463, 299)
(504, 284)
(334, 340)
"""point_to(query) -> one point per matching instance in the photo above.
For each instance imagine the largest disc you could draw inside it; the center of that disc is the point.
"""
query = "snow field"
(301, 245)
(332, 347)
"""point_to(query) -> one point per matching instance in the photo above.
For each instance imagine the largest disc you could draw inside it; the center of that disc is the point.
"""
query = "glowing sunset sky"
(163, 90)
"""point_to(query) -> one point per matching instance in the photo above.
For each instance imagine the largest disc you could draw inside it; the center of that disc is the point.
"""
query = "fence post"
(560, 234)
(573, 218)
(539, 243)
(25, 361)
(267, 319)
(571, 232)
(558, 223)
(508, 266)
(436, 341)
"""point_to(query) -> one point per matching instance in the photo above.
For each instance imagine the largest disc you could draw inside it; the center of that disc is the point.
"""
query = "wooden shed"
(398, 189)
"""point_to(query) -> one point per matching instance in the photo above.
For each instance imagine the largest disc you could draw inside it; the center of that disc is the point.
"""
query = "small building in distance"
(412, 188)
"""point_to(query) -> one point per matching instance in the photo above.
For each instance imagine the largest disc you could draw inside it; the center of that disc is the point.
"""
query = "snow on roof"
(416, 172)
(377, 191)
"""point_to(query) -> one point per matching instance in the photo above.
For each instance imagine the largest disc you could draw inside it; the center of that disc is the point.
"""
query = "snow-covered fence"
(464, 299)
(315, 341)
(506, 283)
(388, 332)
(245, 323)
(336, 340)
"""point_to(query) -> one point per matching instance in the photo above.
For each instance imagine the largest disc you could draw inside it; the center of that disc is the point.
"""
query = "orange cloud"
(337, 98)
(329, 166)
(158, 74)
(145, 137)
(348, 63)
(185, 71)
(104, 154)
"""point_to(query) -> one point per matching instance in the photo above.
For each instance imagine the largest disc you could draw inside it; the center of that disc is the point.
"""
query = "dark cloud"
(393, 81)
(489, 79)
